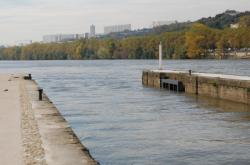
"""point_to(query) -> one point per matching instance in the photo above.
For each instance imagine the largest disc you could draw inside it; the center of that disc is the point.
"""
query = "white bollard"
(160, 57)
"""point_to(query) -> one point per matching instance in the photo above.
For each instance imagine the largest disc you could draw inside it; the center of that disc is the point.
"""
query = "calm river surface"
(124, 123)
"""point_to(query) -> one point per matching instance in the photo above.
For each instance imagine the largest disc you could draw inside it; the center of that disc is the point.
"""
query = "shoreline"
(42, 135)
(230, 58)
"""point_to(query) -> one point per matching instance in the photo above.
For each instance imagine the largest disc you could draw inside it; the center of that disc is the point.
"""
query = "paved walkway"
(10, 121)
(34, 132)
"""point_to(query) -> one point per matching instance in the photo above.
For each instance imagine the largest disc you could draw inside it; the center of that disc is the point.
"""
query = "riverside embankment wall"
(228, 87)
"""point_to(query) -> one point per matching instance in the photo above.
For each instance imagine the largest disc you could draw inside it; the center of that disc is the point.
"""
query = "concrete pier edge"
(59, 144)
(227, 87)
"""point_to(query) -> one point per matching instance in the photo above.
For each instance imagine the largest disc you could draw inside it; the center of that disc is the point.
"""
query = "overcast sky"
(31, 19)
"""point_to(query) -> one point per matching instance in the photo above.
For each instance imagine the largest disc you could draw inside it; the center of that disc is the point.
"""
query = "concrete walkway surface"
(10, 121)
(34, 132)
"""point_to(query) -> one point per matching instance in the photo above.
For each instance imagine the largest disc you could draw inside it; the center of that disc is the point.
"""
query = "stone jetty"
(228, 87)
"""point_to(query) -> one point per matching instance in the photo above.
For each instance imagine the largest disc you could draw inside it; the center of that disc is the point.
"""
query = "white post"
(160, 57)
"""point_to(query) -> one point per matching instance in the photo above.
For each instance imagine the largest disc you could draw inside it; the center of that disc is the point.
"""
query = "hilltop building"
(234, 26)
(117, 28)
(161, 23)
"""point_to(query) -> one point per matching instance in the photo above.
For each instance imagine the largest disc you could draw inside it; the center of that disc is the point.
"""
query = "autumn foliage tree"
(199, 40)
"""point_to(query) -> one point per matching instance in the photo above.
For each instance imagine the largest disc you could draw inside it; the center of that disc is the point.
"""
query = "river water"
(124, 123)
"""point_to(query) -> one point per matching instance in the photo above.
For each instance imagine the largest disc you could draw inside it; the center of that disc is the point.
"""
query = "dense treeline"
(197, 41)
(129, 48)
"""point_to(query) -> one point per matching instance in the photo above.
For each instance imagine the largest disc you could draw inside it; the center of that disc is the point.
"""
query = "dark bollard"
(190, 72)
(29, 77)
(40, 94)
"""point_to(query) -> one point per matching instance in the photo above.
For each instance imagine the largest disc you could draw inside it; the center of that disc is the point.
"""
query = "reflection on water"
(220, 105)
(122, 122)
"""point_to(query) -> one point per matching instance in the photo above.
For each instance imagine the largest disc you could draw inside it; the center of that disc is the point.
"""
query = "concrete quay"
(33, 131)
(227, 87)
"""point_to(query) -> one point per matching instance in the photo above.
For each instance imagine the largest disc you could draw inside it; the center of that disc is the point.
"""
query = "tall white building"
(92, 31)
(117, 28)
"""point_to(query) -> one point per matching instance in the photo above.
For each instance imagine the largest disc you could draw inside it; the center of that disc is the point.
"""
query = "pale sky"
(31, 19)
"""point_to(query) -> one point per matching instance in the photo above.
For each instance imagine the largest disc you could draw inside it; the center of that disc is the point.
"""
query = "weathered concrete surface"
(10, 121)
(228, 87)
(33, 132)
(60, 144)
(32, 142)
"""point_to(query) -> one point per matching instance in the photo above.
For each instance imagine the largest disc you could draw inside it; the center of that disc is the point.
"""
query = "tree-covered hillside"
(220, 21)
(224, 20)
